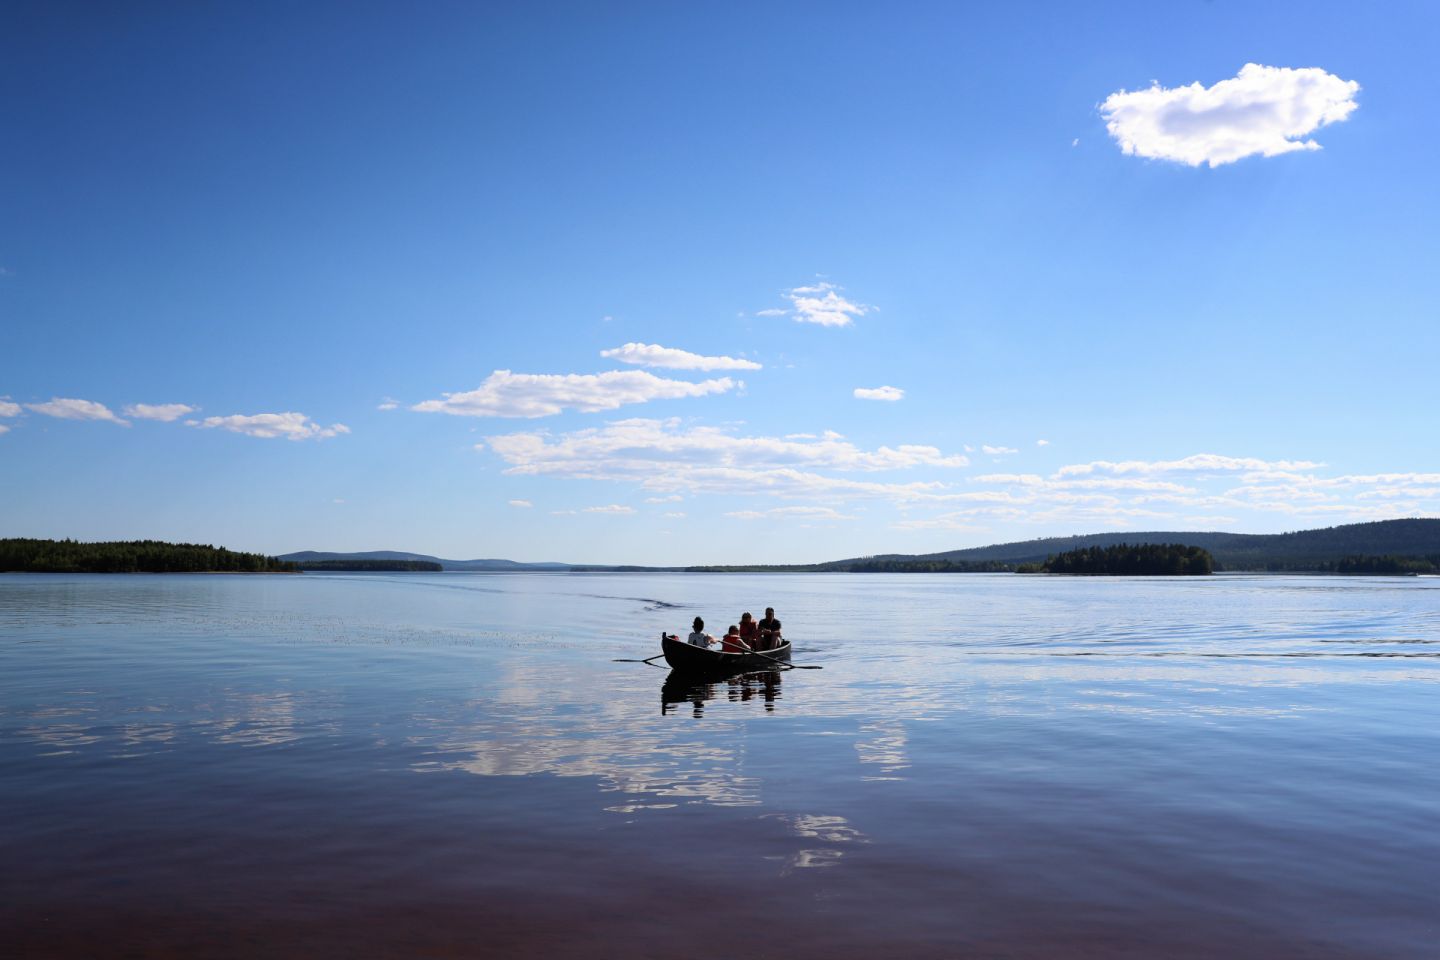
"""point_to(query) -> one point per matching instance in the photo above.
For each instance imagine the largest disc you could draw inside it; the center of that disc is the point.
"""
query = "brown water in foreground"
(452, 766)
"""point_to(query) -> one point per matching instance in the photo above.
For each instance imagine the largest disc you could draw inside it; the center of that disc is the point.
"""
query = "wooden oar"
(786, 663)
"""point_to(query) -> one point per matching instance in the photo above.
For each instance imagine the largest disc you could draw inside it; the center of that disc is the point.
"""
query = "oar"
(787, 663)
(650, 659)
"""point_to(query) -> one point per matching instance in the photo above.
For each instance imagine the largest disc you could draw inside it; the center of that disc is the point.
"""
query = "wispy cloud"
(780, 513)
(997, 451)
(521, 503)
(642, 446)
(8, 409)
(164, 412)
(4, 429)
(387, 403)
(654, 355)
(291, 426)
(1042, 443)
(879, 393)
(69, 408)
(672, 498)
(1199, 463)
(617, 509)
(529, 395)
(1262, 111)
(675, 515)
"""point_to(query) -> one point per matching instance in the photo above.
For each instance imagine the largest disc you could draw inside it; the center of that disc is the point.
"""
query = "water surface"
(453, 765)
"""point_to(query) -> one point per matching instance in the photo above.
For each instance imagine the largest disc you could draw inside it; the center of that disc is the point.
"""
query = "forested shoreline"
(18, 555)
(1129, 560)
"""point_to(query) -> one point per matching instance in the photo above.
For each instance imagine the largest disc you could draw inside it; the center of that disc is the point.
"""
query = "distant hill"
(1300, 550)
(316, 556)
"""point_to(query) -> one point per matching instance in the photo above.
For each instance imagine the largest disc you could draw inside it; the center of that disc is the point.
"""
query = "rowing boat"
(692, 659)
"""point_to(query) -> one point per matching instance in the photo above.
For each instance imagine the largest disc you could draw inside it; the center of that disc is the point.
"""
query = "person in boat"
(769, 630)
(698, 637)
(732, 642)
(749, 630)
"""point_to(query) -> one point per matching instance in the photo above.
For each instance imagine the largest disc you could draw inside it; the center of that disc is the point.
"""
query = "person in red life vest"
(749, 629)
(732, 643)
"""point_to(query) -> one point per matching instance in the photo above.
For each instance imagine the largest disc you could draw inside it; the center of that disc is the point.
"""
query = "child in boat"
(732, 642)
(698, 636)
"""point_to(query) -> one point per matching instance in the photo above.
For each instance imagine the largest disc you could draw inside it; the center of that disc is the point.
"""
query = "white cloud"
(8, 409)
(641, 447)
(291, 426)
(654, 355)
(506, 394)
(819, 303)
(387, 403)
(68, 408)
(1263, 110)
(997, 451)
(1042, 443)
(672, 498)
(4, 429)
(676, 515)
(879, 393)
(612, 508)
(1199, 463)
(165, 412)
(521, 503)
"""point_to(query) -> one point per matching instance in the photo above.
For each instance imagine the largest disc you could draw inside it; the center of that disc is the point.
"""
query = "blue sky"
(379, 253)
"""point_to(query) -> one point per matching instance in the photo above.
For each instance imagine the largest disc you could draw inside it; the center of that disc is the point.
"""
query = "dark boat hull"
(709, 660)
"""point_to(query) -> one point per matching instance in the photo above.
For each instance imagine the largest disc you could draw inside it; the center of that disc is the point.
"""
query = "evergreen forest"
(131, 556)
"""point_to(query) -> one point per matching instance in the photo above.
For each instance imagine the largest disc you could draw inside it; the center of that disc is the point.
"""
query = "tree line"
(1128, 560)
(131, 556)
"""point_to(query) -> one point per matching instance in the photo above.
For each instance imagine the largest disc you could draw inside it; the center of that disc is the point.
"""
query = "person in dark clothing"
(769, 630)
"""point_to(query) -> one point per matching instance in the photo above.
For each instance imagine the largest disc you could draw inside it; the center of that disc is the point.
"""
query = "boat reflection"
(688, 688)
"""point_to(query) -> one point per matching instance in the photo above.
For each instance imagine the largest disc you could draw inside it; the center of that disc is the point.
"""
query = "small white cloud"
(521, 503)
(673, 498)
(8, 409)
(654, 355)
(164, 412)
(388, 403)
(562, 513)
(997, 451)
(879, 393)
(676, 515)
(1075, 142)
(612, 508)
(290, 425)
(68, 408)
(506, 394)
(772, 312)
(4, 429)
(1263, 110)
(338, 500)
(1042, 443)
(819, 303)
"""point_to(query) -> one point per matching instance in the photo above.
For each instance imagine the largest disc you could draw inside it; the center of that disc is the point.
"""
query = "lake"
(452, 765)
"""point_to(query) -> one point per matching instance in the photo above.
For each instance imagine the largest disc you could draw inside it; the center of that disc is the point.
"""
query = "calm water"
(452, 765)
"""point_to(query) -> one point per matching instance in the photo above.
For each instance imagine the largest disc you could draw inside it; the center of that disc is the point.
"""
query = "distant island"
(131, 556)
(1128, 560)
